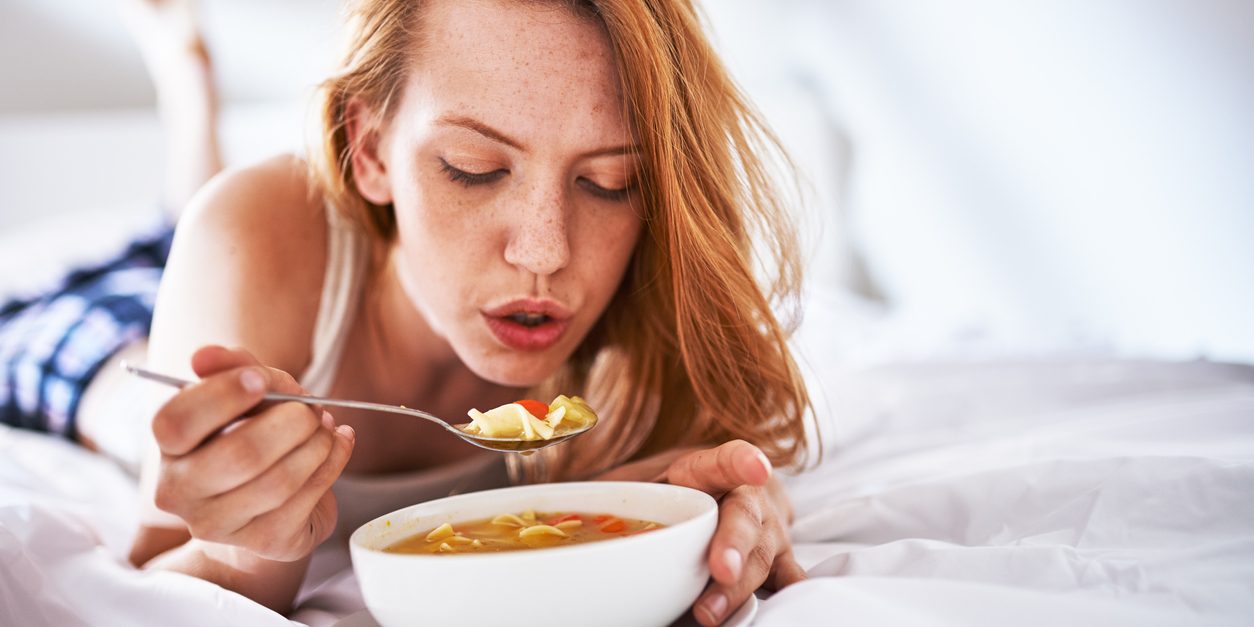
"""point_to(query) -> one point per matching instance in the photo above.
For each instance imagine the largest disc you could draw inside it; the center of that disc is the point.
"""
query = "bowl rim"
(709, 509)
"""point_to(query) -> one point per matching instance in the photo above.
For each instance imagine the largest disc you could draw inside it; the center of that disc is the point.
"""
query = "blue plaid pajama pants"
(52, 345)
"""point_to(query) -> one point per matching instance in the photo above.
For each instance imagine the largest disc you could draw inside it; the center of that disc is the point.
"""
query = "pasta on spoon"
(531, 420)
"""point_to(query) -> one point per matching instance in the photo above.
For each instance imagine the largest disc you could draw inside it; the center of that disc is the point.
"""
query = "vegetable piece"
(561, 519)
(578, 414)
(614, 526)
(537, 409)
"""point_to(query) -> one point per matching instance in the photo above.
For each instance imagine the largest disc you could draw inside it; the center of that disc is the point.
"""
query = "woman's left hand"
(750, 547)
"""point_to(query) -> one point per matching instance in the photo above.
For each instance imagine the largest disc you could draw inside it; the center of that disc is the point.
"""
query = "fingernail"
(328, 420)
(715, 606)
(252, 381)
(766, 463)
(347, 432)
(734, 562)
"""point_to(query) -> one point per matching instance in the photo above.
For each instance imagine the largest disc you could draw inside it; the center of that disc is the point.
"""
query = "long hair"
(690, 351)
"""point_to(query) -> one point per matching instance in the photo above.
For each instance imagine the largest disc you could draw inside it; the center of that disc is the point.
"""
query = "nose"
(539, 242)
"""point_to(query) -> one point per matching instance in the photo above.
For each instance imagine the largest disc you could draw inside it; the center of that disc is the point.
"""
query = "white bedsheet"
(1048, 492)
(1078, 492)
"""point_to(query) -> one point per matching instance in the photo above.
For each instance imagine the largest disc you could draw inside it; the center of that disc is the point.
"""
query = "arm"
(239, 251)
(270, 583)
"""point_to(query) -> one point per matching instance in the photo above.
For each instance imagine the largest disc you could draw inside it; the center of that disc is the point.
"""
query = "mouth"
(528, 324)
(529, 319)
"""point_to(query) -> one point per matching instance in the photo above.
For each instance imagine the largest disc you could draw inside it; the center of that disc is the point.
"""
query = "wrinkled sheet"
(1035, 492)
(990, 492)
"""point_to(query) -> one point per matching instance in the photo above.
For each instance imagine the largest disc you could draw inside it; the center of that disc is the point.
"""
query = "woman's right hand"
(245, 474)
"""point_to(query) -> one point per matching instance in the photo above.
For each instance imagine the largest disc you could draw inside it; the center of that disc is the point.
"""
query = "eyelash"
(613, 195)
(470, 179)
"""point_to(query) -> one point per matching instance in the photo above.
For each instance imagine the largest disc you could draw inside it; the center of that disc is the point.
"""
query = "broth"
(520, 532)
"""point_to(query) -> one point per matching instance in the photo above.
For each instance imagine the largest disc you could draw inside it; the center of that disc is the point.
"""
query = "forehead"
(535, 70)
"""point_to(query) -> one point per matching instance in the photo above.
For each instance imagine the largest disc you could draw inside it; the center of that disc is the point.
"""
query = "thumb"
(720, 470)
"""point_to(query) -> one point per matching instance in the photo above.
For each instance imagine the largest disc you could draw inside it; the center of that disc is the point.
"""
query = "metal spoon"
(507, 445)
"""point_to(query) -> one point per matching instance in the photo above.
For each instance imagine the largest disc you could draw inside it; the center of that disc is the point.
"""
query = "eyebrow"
(497, 136)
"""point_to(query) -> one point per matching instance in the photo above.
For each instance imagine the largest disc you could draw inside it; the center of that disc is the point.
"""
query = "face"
(512, 173)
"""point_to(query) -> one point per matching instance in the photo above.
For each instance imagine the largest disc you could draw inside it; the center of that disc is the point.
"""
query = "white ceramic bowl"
(637, 581)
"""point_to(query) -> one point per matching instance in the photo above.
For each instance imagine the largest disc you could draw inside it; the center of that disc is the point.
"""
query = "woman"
(512, 199)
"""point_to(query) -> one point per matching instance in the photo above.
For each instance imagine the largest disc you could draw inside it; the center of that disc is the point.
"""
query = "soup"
(532, 420)
(520, 532)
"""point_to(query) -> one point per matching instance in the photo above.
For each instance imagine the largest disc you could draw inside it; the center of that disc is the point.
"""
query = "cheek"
(450, 223)
(608, 244)
(443, 248)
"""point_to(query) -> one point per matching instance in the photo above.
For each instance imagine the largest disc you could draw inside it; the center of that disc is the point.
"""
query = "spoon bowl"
(503, 445)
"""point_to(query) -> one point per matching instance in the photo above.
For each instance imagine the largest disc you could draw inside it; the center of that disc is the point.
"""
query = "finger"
(654, 468)
(742, 552)
(247, 449)
(204, 407)
(211, 359)
(271, 489)
(719, 600)
(719, 470)
(740, 535)
(785, 572)
(297, 526)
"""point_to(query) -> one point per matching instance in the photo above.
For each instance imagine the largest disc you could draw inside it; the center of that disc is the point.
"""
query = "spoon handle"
(310, 400)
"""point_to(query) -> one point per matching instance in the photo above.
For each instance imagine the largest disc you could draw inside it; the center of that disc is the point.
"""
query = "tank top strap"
(348, 255)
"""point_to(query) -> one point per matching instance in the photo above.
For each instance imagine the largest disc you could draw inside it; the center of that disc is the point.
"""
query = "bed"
(1022, 468)
(956, 489)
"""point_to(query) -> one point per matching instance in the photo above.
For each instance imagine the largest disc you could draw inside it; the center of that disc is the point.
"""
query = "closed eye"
(471, 178)
(616, 195)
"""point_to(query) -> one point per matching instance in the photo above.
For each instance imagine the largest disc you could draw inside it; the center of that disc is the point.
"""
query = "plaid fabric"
(52, 345)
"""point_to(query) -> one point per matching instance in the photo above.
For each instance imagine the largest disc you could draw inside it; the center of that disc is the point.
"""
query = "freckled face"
(512, 173)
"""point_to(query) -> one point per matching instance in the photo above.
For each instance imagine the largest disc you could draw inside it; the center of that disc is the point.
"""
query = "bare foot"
(169, 38)
(167, 31)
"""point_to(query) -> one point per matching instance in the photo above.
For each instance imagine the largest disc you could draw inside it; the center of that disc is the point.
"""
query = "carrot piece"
(600, 518)
(535, 408)
(561, 519)
(614, 526)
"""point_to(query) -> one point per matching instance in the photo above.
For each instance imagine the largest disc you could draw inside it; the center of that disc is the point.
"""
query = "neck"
(408, 361)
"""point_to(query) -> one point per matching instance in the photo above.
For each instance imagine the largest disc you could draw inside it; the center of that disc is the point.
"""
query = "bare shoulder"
(246, 267)
(273, 200)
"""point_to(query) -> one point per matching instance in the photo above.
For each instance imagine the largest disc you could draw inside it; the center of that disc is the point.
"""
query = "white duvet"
(992, 492)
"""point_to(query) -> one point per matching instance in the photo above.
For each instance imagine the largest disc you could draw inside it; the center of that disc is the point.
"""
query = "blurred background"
(1027, 177)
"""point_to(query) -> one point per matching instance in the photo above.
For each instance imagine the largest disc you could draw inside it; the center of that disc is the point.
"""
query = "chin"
(514, 369)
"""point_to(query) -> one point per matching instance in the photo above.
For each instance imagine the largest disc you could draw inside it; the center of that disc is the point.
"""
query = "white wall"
(78, 131)
(75, 54)
(1055, 173)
